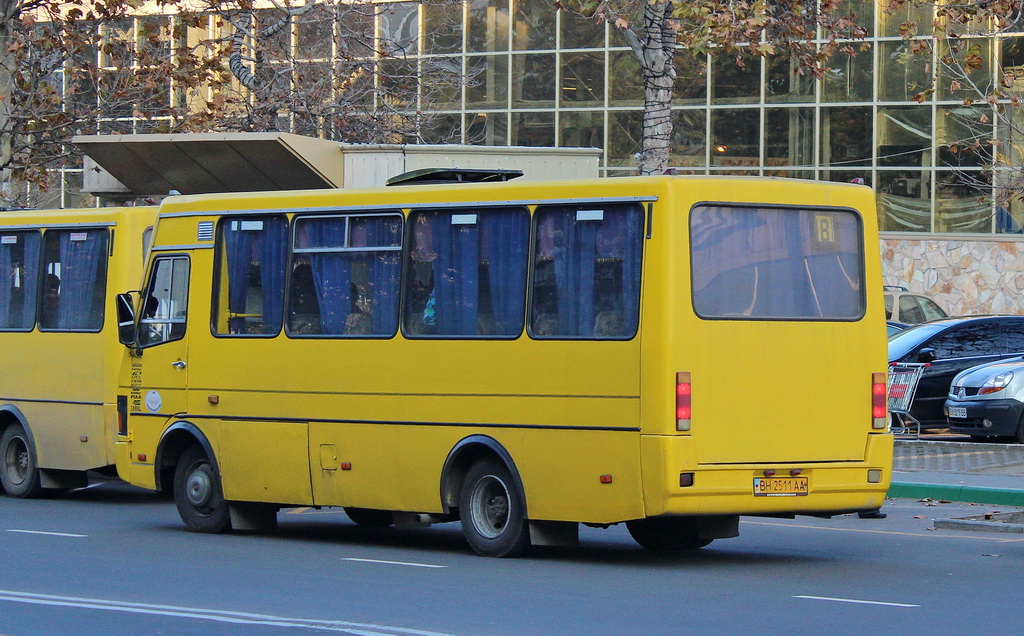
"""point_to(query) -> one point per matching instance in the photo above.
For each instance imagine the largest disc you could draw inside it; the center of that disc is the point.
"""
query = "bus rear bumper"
(781, 488)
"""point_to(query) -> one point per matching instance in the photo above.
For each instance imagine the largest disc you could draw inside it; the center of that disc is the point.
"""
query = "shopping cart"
(903, 379)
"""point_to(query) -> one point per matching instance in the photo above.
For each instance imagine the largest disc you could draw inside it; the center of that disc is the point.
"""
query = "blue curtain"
(82, 278)
(456, 275)
(238, 250)
(8, 275)
(504, 245)
(385, 271)
(621, 238)
(574, 252)
(30, 281)
(266, 246)
(332, 274)
(271, 253)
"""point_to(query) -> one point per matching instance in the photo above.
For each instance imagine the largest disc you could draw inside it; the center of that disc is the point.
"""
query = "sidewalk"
(958, 471)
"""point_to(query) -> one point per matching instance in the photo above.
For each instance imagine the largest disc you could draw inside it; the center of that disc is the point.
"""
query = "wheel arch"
(10, 414)
(173, 442)
(462, 456)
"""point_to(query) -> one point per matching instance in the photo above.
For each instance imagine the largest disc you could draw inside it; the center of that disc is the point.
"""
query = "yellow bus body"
(59, 385)
(590, 426)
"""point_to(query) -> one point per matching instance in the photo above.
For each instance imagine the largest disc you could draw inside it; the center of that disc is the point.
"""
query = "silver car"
(988, 400)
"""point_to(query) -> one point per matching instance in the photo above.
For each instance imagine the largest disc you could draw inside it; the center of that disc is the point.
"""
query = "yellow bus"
(58, 340)
(667, 352)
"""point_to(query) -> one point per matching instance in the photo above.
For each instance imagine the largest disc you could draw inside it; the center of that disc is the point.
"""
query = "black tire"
(19, 473)
(198, 495)
(1018, 438)
(492, 512)
(666, 533)
(369, 518)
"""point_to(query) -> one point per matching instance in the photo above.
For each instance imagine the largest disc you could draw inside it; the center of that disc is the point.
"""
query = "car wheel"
(1019, 437)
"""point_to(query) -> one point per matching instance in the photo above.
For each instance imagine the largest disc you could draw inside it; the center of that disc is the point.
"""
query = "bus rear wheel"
(198, 495)
(492, 511)
(666, 533)
(19, 474)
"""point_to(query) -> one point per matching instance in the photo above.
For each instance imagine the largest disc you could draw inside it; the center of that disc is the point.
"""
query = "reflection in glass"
(627, 89)
(490, 129)
(964, 135)
(534, 27)
(488, 26)
(533, 129)
(582, 79)
(789, 137)
(849, 78)
(689, 138)
(904, 200)
(735, 84)
(625, 129)
(735, 138)
(957, 75)
(581, 129)
(903, 74)
(533, 80)
(691, 85)
(487, 82)
(905, 136)
(784, 83)
(917, 18)
(846, 138)
(579, 32)
(963, 203)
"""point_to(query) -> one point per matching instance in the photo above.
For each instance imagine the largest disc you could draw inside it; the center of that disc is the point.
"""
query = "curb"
(970, 494)
(978, 526)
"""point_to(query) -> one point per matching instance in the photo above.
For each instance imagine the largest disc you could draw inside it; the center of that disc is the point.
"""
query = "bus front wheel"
(20, 471)
(492, 511)
(666, 533)
(198, 495)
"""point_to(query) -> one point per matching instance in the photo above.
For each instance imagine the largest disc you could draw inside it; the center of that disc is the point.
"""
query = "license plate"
(958, 411)
(780, 486)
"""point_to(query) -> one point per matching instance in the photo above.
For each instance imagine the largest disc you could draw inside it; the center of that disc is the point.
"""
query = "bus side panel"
(562, 475)
(68, 436)
(264, 461)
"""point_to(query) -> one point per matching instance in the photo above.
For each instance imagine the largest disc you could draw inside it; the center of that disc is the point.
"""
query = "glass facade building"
(536, 76)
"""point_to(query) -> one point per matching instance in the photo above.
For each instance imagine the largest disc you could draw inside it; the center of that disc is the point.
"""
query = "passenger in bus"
(358, 324)
(51, 299)
(305, 308)
(608, 324)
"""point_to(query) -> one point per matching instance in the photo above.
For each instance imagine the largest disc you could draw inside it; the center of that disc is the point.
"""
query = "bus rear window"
(776, 263)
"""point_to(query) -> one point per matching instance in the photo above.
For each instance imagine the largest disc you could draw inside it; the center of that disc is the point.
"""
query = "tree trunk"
(8, 13)
(658, 65)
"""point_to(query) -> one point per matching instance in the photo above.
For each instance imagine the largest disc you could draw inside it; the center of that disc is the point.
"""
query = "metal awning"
(206, 162)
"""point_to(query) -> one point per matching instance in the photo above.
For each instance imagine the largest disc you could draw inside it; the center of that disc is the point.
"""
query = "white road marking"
(223, 616)
(853, 600)
(51, 534)
(415, 565)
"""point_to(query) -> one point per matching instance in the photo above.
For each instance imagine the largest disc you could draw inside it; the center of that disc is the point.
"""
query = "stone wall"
(965, 277)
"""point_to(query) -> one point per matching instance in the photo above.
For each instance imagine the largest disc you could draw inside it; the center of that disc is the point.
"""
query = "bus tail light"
(683, 395)
(879, 401)
(122, 415)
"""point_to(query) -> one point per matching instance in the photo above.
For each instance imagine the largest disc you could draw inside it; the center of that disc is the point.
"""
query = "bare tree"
(67, 69)
(320, 68)
(809, 31)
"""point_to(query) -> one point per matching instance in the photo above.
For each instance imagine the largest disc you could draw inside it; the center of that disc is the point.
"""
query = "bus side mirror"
(926, 355)
(125, 320)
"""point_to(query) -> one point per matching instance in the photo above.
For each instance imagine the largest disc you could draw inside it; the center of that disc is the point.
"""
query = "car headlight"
(996, 383)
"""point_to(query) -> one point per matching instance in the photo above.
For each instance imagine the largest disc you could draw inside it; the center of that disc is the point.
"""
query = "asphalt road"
(116, 560)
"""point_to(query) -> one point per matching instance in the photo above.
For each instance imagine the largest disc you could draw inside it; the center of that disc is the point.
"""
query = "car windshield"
(902, 343)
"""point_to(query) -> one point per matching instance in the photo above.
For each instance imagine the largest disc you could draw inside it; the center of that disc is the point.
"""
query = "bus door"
(160, 368)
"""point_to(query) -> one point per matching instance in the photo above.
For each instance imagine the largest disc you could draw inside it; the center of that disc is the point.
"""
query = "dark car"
(893, 326)
(949, 346)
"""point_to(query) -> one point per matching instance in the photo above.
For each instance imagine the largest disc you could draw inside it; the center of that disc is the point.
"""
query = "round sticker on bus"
(154, 401)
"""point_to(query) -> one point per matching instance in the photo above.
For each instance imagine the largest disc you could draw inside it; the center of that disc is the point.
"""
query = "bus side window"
(19, 280)
(586, 274)
(345, 276)
(251, 255)
(75, 279)
(165, 311)
(467, 272)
